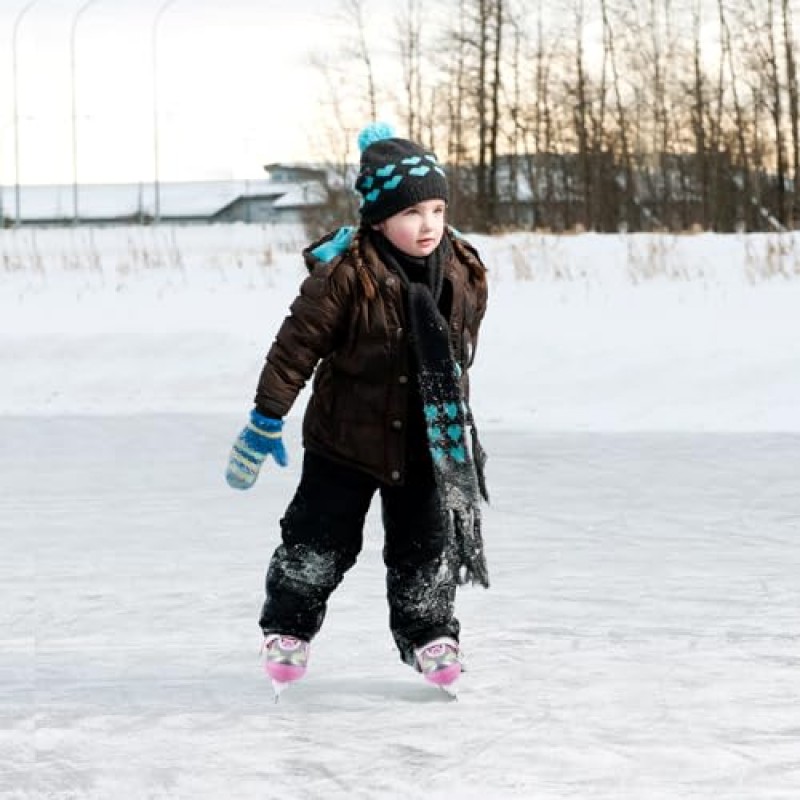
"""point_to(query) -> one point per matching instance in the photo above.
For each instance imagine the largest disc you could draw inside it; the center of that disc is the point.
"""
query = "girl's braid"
(365, 279)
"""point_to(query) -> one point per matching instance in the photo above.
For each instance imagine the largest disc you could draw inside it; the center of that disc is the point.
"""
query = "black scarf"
(458, 472)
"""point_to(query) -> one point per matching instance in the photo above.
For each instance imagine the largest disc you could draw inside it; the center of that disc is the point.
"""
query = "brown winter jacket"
(358, 410)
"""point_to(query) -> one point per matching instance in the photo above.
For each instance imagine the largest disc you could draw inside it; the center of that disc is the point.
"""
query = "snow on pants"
(322, 535)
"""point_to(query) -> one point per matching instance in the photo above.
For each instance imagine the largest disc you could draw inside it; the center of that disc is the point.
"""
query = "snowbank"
(585, 332)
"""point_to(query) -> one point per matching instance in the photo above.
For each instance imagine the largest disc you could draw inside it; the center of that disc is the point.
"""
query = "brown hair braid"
(366, 288)
(365, 278)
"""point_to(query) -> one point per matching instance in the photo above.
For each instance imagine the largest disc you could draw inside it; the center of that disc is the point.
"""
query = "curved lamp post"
(17, 203)
(156, 152)
(78, 14)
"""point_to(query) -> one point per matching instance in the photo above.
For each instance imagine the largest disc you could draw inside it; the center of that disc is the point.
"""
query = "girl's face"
(416, 230)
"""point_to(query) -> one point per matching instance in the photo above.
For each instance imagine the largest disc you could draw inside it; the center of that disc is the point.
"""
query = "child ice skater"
(389, 319)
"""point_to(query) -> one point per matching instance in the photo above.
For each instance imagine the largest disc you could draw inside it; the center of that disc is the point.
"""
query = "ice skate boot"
(285, 660)
(439, 662)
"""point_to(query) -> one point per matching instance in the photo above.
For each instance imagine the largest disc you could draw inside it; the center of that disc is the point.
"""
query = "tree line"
(586, 114)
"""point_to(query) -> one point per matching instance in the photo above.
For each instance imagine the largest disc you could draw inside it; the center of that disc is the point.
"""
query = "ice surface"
(640, 639)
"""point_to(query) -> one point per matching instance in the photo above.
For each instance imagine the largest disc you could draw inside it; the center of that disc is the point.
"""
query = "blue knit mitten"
(262, 437)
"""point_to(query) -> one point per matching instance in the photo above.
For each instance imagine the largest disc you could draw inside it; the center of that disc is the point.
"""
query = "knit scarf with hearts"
(458, 466)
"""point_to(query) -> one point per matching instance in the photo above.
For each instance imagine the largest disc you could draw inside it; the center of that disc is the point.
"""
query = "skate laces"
(438, 655)
(285, 650)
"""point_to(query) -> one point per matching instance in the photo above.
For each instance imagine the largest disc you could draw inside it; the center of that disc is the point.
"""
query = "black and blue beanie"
(395, 174)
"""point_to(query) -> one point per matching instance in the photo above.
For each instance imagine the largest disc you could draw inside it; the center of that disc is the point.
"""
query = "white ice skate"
(439, 662)
(285, 660)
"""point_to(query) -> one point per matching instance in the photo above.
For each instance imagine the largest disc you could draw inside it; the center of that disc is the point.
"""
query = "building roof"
(184, 200)
(301, 195)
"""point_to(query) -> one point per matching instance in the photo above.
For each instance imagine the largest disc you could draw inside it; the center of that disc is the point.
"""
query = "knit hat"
(395, 174)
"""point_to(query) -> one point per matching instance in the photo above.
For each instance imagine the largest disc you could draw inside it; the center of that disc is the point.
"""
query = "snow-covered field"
(640, 399)
(583, 332)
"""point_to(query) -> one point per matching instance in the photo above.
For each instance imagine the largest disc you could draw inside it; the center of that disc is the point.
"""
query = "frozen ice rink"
(640, 639)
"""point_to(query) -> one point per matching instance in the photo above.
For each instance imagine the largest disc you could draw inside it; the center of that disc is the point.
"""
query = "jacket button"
(397, 424)
(390, 281)
(395, 475)
(403, 379)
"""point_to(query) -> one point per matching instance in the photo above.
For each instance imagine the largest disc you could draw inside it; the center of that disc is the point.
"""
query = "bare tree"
(353, 12)
(794, 107)
(544, 125)
(699, 100)
(493, 197)
(334, 141)
(480, 89)
(409, 31)
(742, 161)
(476, 43)
(455, 70)
(775, 102)
(581, 114)
(626, 178)
(649, 125)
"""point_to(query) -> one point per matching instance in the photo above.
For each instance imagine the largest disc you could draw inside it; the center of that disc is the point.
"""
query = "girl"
(389, 318)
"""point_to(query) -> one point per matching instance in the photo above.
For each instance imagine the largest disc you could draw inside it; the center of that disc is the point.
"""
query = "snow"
(640, 401)
(584, 332)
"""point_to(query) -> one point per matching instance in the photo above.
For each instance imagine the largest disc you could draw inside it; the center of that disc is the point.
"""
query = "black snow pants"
(322, 535)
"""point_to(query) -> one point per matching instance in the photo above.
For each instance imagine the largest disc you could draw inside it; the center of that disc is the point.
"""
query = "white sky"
(235, 87)
(235, 91)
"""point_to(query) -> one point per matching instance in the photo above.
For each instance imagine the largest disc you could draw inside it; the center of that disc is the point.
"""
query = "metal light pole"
(156, 153)
(75, 19)
(17, 204)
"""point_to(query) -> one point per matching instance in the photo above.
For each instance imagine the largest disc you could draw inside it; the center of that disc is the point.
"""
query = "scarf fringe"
(467, 556)
(479, 456)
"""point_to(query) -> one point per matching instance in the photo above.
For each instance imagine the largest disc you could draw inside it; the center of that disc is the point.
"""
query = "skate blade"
(278, 689)
(451, 690)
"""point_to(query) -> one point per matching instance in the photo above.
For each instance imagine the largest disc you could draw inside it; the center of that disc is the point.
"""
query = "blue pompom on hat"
(374, 132)
(395, 173)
